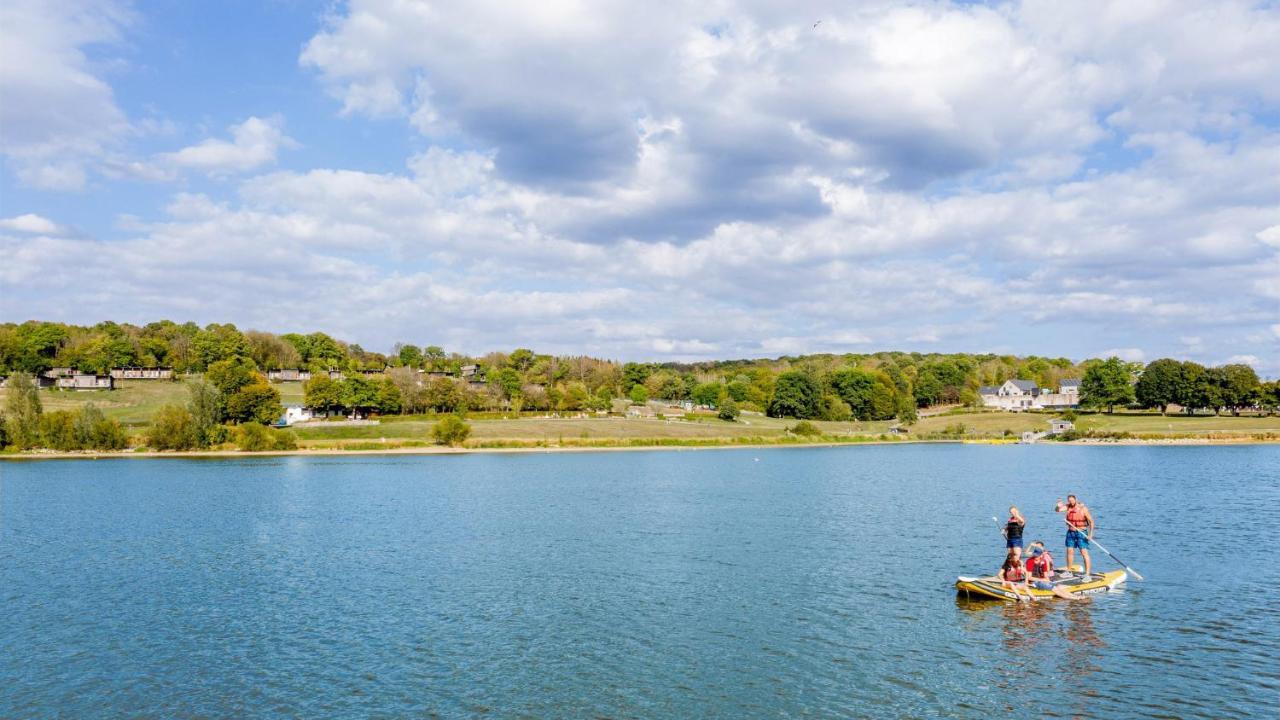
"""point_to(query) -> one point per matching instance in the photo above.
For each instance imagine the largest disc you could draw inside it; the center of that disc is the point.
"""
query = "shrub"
(955, 430)
(22, 410)
(452, 430)
(833, 408)
(1070, 415)
(256, 437)
(108, 434)
(173, 428)
(804, 428)
(728, 410)
(58, 431)
(95, 431)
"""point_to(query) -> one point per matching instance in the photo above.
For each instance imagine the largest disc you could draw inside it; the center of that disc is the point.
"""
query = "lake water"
(737, 583)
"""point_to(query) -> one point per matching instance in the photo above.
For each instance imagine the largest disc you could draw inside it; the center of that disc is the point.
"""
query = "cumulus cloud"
(1126, 354)
(254, 143)
(725, 179)
(58, 115)
(31, 223)
(881, 92)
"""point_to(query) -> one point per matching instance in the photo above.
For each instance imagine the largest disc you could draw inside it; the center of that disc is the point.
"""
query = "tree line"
(226, 368)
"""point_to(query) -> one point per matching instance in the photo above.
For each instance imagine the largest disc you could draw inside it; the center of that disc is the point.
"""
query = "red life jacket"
(1041, 566)
(1014, 573)
(1076, 516)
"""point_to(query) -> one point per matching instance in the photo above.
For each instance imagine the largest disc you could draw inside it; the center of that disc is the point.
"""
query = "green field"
(133, 402)
(553, 430)
(994, 424)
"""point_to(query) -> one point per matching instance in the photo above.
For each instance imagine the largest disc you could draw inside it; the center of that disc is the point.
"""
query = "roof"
(1025, 385)
(988, 390)
(1069, 381)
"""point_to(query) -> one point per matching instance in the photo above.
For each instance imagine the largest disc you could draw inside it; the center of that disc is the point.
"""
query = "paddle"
(1135, 573)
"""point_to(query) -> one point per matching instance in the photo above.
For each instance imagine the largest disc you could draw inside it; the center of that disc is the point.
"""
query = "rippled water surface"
(738, 583)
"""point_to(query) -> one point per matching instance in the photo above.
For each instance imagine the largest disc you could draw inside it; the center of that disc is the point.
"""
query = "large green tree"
(323, 393)
(1160, 384)
(255, 402)
(360, 395)
(1238, 385)
(233, 373)
(1197, 389)
(1107, 384)
(795, 395)
(218, 342)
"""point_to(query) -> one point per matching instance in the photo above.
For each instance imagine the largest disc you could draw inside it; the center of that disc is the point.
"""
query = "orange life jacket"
(1076, 516)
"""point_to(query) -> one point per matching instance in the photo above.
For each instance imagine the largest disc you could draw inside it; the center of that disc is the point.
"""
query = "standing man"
(1079, 532)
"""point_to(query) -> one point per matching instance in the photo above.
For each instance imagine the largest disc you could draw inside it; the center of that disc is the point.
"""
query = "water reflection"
(1040, 640)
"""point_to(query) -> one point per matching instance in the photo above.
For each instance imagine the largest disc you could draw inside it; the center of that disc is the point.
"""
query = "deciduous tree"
(1107, 384)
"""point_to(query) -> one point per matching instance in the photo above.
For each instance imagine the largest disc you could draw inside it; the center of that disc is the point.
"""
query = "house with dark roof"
(1028, 395)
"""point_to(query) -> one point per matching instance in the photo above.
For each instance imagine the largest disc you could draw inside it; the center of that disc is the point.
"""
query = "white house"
(1058, 425)
(296, 414)
(1027, 395)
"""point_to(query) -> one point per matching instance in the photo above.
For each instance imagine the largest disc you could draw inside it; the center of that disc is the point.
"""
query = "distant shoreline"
(440, 450)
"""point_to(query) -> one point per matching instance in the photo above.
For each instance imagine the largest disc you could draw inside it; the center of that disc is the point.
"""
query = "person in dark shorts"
(1013, 532)
(1080, 527)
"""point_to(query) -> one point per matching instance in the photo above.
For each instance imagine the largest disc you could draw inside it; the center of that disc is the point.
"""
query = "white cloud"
(1126, 354)
(1250, 360)
(1270, 236)
(31, 223)
(254, 143)
(58, 116)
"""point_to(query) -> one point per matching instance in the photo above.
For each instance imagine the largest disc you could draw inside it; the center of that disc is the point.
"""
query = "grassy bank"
(135, 402)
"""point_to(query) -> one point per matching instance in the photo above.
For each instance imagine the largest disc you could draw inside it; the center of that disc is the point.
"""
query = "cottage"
(289, 375)
(58, 372)
(1058, 426)
(335, 374)
(142, 373)
(469, 370)
(434, 374)
(295, 414)
(86, 381)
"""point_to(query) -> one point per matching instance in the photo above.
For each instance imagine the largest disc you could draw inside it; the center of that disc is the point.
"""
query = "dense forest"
(231, 365)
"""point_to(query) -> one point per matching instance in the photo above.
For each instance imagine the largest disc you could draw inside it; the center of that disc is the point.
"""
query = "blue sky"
(669, 181)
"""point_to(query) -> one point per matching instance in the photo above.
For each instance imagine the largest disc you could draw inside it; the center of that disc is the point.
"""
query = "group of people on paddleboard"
(1036, 570)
